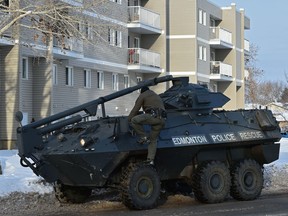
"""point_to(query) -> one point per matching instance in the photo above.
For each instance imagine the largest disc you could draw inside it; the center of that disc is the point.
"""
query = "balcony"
(6, 40)
(68, 49)
(220, 71)
(220, 38)
(143, 21)
(144, 61)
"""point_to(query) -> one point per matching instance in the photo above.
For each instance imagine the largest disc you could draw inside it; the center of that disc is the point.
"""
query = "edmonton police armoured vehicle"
(211, 151)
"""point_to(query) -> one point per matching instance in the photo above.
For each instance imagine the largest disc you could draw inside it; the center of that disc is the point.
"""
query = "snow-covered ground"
(16, 178)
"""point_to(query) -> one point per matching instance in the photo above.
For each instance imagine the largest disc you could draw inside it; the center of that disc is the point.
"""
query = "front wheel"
(247, 180)
(140, 187)
(211, 182)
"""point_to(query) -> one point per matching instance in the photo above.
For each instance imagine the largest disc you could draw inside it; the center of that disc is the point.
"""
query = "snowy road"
(178, 205)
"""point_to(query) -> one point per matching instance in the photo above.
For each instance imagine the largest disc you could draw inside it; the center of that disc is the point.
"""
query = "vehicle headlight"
(85, 141)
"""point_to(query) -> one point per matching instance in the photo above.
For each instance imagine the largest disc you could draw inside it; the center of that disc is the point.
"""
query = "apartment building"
(148, 38)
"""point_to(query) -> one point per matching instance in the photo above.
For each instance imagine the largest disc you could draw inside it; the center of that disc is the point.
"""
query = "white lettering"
(248, 135)
(189, 140)
(225, 137)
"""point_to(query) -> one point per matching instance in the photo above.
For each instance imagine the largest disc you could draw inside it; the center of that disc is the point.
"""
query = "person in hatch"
(154, 115)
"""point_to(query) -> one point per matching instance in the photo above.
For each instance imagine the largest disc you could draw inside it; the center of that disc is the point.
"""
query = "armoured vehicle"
(212, 151)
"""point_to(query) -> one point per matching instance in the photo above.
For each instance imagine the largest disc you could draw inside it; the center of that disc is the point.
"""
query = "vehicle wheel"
(247, 180)
(211, 182)
(140, 186)
(71, 194)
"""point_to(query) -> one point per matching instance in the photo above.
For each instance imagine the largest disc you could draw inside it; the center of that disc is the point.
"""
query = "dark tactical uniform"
(153, 108)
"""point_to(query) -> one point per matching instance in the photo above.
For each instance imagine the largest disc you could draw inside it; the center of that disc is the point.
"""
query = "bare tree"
(254, 76)
(270, 91)
(284, 95)
(50, 22)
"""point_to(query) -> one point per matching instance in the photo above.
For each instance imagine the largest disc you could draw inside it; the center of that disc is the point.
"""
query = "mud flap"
(266, 153)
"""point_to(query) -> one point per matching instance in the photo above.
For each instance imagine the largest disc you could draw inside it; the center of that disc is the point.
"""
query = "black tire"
(247, 180)
(71, 194)
(140, 187)
(211, 182)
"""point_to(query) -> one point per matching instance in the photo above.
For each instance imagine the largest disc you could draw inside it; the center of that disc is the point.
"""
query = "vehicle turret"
(187, 96)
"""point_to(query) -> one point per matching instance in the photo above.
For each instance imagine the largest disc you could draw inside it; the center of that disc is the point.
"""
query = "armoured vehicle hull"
(213, 152)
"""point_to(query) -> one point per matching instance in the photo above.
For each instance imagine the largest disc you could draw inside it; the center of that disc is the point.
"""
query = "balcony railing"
(71, 44)
(144, 57)
(73, 2)
(142, 15)
(217, 33)
(220, 68)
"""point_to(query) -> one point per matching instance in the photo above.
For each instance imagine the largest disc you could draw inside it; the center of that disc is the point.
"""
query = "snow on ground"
(16, 178)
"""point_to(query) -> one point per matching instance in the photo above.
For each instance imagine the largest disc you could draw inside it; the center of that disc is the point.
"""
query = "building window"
(202, 17)
(117, 1)
(139, 79)
(79, 26)
(115, 82)
(126, 81)
(25, 68)
(202, 53)
(55, 75)
(88, 31)
(87, 78)
(115, 37)
(25, 119)
(100, 80)
(136, 42)
(69, 76)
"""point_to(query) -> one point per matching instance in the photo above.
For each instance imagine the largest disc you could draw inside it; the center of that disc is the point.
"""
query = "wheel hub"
(215, 182)
(248, 179)
(144, 187)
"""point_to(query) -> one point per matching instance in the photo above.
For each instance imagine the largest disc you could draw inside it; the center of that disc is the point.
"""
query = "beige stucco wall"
(9, 88)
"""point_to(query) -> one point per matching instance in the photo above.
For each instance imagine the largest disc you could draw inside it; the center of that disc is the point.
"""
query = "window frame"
(136, 42)
(100, 80)
(139, 79)
(126, 81)
(202, 53)
(55, 74)
(202, 17)
(88, 31)
(25, 119)
(117, 1)
(111, 36)
(24, 69)
(118, 38)
(114, 37)
(69, 76)
(115, 82)
(87, 78)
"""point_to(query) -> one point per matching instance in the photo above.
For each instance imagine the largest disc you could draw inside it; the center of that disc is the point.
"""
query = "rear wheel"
(247, 180)
(140, 186)
(71, 194)
(211, 182)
